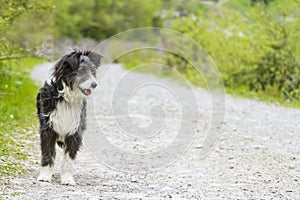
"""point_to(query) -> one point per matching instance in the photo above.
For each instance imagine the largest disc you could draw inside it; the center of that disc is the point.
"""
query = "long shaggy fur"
(61, 109)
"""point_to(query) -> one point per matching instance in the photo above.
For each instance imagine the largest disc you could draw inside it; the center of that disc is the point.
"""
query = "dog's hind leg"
(48, 141)
(72, 145)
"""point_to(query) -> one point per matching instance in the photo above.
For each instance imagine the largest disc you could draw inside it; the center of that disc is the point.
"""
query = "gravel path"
(257, 156)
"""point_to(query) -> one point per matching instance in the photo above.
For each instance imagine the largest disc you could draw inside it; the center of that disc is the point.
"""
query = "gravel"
(257, 155)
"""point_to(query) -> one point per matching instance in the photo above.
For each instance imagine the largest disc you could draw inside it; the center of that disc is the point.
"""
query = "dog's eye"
(81, 60)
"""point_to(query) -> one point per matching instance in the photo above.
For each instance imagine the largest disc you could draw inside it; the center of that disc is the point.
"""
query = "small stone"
(133, 180)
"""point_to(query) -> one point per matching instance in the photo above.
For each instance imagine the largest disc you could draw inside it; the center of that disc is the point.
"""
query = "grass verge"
(18, 115)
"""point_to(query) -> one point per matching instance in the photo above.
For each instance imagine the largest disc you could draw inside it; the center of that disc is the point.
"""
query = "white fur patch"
(65, 119)
(45, 174)
(67, 171)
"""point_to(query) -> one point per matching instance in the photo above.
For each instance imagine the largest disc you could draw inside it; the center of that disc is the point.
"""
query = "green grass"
(268, 96)
(18, 119)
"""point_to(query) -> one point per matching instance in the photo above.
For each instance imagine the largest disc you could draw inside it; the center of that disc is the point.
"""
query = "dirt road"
(257, 156)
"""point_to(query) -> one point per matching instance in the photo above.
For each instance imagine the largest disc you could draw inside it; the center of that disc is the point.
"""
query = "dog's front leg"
(72, 145)
(48, 140)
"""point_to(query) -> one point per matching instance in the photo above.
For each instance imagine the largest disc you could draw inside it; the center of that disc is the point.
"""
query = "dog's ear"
(95, 58)
(63, 66)
(58, 69)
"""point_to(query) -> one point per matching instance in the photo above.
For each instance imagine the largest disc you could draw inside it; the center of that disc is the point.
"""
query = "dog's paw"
(67, 179)
(45, 174)
(43, 178)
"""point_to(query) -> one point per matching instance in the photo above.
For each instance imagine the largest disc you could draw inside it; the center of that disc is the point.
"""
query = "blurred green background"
(254, 43)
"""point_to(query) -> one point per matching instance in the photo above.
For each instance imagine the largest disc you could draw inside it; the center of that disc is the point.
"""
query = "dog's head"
(77, 70)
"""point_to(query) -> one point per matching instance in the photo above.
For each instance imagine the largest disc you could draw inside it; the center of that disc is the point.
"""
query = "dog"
(61, 109)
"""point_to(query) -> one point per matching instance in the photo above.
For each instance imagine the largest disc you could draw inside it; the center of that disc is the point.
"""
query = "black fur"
(64, 72)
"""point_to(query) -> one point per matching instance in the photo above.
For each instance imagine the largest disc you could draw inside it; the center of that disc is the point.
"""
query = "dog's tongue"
(88, 92)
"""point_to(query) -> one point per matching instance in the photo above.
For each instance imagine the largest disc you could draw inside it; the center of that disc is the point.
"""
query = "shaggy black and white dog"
(61, 108)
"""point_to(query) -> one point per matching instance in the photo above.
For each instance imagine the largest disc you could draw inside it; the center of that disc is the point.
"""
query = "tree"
(102, 19)
(10, 11)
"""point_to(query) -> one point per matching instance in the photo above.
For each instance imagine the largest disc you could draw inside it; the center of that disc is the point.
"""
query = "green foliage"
(255, 48)
(172, 8)
(10, 12)
(277, 67)
(71, 18)
(101, 19)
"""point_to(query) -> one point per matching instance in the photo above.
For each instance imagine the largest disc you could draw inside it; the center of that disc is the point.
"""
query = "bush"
(256, 49)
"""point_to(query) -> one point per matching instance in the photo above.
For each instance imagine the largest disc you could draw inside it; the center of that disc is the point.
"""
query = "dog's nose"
(93, 84)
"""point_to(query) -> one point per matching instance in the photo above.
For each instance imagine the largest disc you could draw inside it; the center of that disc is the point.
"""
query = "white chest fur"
(65, 119)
